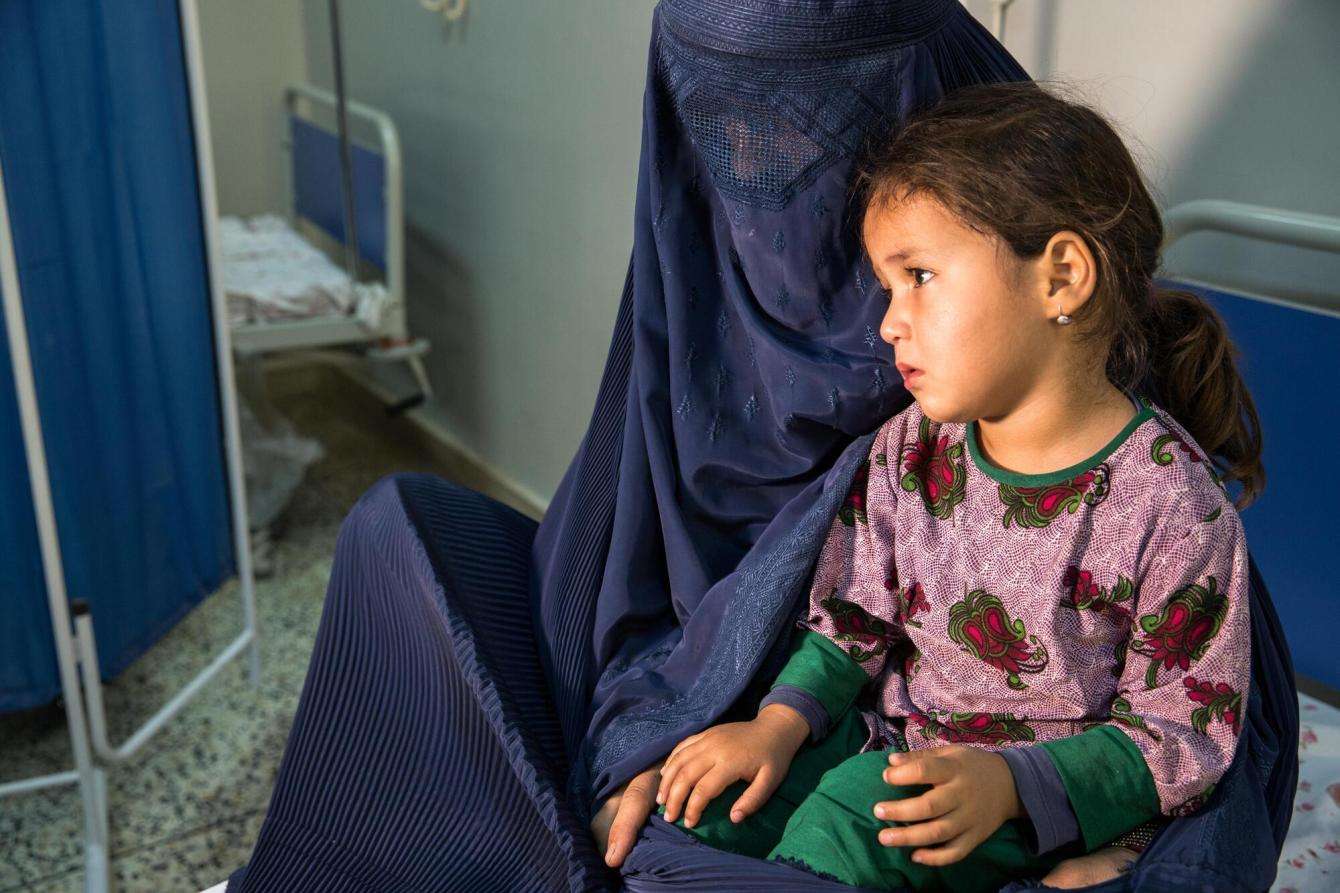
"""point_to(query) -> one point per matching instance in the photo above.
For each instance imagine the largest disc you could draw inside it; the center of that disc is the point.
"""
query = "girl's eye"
(914, 271)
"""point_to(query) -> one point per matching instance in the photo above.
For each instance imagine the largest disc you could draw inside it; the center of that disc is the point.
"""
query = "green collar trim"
(1014, 479)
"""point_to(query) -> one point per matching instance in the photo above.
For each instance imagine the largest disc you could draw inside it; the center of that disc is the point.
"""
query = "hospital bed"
(285, 289)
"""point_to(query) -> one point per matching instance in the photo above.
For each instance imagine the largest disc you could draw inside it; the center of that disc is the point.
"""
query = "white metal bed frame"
(325, 331)
(314, 334)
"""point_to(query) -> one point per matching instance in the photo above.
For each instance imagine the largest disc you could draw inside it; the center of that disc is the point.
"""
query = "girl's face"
(970, 326)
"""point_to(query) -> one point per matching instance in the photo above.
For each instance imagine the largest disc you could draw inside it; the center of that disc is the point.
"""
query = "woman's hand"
(972, 794)
(703, 765)
(620, 817)
(1084, 871)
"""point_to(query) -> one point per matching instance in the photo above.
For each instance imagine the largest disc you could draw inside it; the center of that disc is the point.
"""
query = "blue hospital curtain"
(99, 161)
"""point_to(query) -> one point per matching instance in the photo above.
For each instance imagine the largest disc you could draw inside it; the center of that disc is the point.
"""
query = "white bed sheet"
(272, 274)
(1310, 862)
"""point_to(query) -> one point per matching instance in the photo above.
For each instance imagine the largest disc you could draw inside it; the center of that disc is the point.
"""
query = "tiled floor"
(186, 810)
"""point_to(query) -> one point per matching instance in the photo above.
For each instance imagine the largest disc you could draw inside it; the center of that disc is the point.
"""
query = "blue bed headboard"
(317, 183)
(1290, 359)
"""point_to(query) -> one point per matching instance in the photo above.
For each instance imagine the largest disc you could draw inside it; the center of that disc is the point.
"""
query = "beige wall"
(520, 129)
(252, 49)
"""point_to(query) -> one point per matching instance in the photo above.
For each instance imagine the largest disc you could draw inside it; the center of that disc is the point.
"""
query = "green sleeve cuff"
(821, 668)
(1107, 782)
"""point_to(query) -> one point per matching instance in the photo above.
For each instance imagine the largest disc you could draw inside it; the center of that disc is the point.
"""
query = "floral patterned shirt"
(1000, 610)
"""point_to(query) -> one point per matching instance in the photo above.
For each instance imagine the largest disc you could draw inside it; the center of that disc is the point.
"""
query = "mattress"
(272, 274)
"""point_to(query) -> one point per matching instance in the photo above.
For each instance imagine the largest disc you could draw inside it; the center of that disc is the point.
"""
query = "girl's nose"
(894, 326)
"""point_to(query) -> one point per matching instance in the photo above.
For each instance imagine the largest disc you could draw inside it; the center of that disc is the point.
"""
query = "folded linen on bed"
(271, 273)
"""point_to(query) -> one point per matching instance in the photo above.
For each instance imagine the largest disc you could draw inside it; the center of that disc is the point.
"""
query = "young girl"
(1028, 627)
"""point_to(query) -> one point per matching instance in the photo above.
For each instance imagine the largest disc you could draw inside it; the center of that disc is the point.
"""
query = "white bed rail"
(1277, 225)
(1294, 228)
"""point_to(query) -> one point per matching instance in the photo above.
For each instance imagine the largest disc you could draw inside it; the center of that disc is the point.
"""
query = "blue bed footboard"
(316, 188)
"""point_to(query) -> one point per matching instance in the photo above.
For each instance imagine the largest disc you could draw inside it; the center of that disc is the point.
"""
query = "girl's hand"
(972, 794)
(759, 751)
(620, 817)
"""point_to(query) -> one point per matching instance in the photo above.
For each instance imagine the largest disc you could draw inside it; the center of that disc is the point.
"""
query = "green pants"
(821, 817)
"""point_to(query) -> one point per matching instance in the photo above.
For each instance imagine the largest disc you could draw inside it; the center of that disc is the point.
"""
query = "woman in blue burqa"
(480, 687)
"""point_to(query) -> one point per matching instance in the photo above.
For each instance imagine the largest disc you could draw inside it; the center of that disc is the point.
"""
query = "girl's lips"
(909, 373)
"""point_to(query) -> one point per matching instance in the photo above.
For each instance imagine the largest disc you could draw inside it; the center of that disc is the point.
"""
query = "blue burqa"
(479, 685)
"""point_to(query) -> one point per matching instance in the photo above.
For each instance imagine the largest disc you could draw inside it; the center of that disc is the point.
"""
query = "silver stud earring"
(1062, 319)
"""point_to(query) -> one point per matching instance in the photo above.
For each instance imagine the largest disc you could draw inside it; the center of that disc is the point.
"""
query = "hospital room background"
(260, 299)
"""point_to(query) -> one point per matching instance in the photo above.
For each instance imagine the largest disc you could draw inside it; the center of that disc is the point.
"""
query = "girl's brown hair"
(1015, 161)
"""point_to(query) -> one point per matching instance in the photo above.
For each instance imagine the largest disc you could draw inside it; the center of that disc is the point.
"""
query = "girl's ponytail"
(1192, 368)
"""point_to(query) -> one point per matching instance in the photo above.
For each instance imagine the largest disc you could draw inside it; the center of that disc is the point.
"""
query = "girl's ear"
(1069, 273)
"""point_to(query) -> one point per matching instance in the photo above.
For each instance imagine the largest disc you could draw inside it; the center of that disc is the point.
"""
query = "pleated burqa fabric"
(746, 353)
(479, 684)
